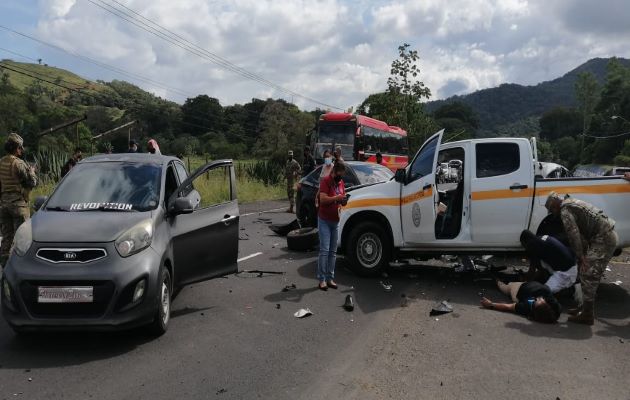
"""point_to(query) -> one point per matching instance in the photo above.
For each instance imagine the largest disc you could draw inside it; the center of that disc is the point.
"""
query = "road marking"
(261, 212)
(249, 256)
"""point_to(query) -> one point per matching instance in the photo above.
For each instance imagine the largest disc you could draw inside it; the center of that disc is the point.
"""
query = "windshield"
(372, 173)
(108, 186)
(337, 133)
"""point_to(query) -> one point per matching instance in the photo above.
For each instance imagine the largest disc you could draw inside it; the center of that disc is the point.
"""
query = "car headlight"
(23, 238)
(135, 239)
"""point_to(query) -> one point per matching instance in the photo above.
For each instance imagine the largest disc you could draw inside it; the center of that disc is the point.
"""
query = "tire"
(368, 249)
(303, 239)
(162, 317)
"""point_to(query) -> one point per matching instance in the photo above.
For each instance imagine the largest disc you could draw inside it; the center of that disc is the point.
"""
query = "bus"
(360, 138)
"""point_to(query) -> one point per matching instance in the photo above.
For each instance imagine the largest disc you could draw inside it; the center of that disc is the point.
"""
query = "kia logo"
(70, 256)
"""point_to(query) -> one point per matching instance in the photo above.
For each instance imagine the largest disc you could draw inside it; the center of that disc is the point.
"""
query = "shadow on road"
(562, 330)
(49, 350)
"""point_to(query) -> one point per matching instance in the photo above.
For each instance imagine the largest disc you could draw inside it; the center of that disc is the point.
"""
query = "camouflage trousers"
(291, 195)
(11, 217)
(598, 255)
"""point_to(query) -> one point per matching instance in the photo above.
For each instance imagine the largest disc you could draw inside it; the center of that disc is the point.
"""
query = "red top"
(330, 212)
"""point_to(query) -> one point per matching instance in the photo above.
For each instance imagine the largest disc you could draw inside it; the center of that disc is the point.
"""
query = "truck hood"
(383, 193)
(83, 226)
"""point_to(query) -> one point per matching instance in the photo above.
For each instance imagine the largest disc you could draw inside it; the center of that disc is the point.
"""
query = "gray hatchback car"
(118, 236)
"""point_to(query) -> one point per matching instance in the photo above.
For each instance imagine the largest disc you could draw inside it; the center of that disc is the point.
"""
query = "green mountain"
(513, 109)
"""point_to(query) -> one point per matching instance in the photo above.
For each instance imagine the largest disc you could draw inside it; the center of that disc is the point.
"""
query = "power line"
(18, 54)
(181, 42)
(607, 137)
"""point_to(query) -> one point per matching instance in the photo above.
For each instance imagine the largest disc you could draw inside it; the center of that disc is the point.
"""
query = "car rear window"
(108, 186)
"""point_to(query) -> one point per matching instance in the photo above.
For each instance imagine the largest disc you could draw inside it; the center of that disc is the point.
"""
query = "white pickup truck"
(498, 194)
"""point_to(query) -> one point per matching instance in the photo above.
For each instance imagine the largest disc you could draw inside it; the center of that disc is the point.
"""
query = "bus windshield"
(337, 133)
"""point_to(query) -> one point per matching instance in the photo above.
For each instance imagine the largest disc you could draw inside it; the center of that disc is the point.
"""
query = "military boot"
(586, 316)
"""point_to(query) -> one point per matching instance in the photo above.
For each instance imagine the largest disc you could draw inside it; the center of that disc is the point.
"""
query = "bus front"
(335, 130)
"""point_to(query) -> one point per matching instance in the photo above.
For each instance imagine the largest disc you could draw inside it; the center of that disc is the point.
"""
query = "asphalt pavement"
(236, 337)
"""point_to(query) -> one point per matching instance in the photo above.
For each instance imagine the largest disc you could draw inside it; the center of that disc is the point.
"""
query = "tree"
(567, 149)
(202, 114)
(587, 96)
(458, 120)
(560, 122)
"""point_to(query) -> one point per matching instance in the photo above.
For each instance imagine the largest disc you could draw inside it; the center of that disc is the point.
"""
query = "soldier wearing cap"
(593, 239)
(16, 181)
(292, 173)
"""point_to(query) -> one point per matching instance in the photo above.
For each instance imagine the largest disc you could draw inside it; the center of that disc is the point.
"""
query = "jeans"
(327, 249)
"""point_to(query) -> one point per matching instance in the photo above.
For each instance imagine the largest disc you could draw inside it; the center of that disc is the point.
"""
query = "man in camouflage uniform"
(16, 181)
(593, 239)
(292, 173)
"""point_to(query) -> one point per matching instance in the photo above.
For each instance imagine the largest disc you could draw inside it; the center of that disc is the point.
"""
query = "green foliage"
(587, 96)
(560, 122)
(49, 163)
(268, 172)
(458, 120)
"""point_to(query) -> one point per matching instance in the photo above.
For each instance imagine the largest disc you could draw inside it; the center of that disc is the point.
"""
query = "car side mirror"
(401, 175)
(182, 205)
(39, 202)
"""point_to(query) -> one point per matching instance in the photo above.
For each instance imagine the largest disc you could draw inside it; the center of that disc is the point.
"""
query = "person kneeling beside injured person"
(530, 299)
(551, 257)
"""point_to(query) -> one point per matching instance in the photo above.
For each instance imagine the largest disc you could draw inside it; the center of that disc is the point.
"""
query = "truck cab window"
(494, 159)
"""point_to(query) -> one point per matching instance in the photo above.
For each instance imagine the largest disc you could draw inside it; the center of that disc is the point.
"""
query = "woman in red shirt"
(332, 195)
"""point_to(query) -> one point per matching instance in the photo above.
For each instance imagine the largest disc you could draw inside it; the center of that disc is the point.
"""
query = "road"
(236, 337)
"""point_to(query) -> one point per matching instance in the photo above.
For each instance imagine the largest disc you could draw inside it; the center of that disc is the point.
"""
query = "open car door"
(204, 216)
(418, 194)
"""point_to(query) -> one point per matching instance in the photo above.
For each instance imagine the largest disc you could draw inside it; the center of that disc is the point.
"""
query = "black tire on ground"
(162, 317)
(303, 239)
(368, 249)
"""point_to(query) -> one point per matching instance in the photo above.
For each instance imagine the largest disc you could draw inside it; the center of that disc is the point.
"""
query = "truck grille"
(71, 255)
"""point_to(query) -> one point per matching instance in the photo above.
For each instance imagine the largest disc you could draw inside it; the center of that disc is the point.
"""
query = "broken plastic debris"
(618, 283)
(441, 308)
(302, 313)
(348, 305)
(387, 287)
(289, 287)
(608, 269)
(278, 306)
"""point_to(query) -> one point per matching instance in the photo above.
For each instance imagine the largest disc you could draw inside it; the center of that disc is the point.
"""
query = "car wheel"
(303, 239)
(369, 249)
(162, 317)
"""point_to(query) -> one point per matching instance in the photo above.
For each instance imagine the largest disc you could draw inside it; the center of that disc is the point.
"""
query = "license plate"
(61, 294)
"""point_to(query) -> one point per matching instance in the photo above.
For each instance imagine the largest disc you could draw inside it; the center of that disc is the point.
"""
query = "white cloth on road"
(560, 279)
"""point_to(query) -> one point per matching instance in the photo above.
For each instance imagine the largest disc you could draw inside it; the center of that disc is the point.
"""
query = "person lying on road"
(530, 299)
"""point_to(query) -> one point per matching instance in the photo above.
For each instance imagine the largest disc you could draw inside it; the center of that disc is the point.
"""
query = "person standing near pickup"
(16, 181)
(593, 239)
(292, 173)
(332, 195)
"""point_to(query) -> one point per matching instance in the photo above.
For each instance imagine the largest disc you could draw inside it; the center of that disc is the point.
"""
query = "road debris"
(386, 287)
(277, 306)
(404, 300)
(259, 272)
(302, 313)
(618, 283)
(608, 269)
(348, 305)
(289, 287)
(441, 308)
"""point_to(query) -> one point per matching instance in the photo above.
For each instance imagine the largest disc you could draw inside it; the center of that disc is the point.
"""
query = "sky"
(321, 53)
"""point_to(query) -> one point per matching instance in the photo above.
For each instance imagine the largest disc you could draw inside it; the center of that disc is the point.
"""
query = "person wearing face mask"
(332, 195)
(328, 164)
(292, 173)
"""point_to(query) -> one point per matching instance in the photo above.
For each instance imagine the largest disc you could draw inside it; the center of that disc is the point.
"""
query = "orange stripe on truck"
(389, 201)
(544, 191)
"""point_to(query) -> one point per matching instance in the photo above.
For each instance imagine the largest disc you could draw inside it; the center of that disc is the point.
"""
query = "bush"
(268, 172)
(49, 164)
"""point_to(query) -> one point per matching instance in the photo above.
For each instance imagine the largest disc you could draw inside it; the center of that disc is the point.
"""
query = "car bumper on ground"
(114, 280)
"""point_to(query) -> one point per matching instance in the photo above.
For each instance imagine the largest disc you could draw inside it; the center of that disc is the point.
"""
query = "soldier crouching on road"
(593, 239)
(16, 181)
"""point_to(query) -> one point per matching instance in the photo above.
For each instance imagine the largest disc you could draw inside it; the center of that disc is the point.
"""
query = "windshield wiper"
(57, 208)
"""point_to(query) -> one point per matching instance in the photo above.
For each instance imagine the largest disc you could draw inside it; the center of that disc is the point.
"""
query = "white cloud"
(340, 51)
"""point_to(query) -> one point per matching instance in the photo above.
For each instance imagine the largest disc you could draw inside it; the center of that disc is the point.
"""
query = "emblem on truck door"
(415, 214)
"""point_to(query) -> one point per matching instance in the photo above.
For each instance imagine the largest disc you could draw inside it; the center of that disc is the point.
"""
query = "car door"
(205, 242)
(501, 192)
(418, 194)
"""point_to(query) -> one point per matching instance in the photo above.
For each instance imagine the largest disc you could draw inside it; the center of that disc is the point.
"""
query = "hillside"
(511, 108)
